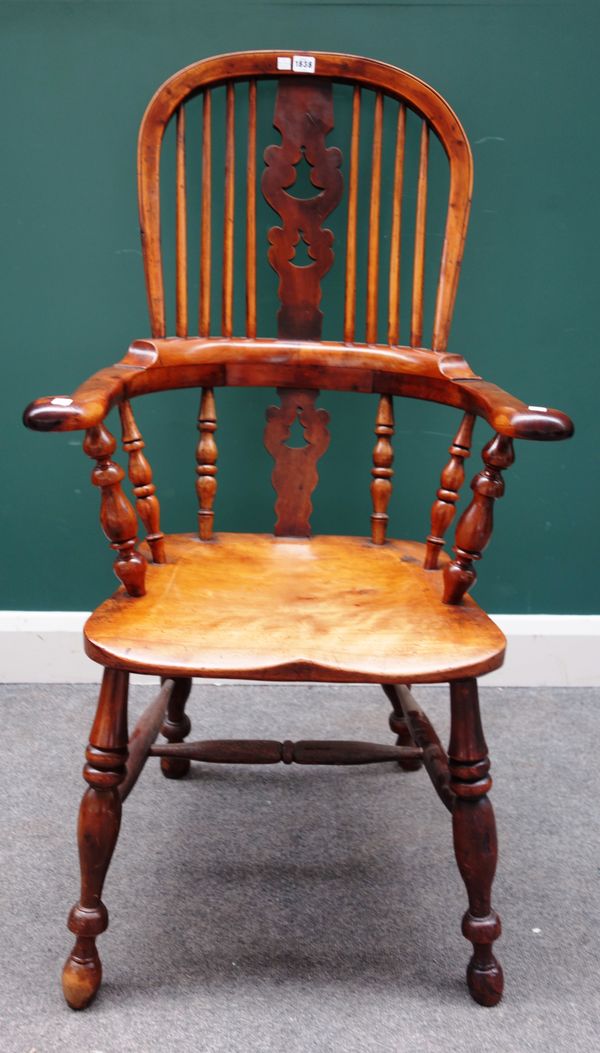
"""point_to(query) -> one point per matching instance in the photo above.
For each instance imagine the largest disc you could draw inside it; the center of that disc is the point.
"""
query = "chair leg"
(97, 832)
(175, 727)
(475, 845)
(400, 729)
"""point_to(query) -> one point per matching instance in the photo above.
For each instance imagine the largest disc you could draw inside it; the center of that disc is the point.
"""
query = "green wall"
(523, 79)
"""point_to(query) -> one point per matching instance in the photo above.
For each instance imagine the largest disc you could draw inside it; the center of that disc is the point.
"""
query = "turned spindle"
(117, 516)
(474, 833)
(382, 472)
(175, 727)
(477, 521)
(451, 481)
(206, 469)
(97, 832)
(140, 474)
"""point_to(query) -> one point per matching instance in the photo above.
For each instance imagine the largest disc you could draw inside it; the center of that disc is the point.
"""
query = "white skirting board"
(561, 650)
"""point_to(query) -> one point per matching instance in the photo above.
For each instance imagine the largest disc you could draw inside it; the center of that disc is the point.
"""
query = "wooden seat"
(328, 608)
(291, 606)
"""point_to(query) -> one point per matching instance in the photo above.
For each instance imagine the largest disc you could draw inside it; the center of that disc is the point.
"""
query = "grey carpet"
(272, 909)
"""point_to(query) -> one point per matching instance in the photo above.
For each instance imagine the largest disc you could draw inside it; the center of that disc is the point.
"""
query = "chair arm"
(90, 403)
(509, 416)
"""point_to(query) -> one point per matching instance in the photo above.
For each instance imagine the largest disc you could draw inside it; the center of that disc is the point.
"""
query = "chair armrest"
(509, 416)
(93, 399)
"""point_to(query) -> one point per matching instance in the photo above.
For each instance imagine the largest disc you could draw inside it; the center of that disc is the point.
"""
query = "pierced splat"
(295, 473)
(304, 116)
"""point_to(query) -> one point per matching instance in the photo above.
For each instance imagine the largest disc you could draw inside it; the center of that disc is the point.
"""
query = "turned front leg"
(475, 845)
(175, 727)
(97, 832)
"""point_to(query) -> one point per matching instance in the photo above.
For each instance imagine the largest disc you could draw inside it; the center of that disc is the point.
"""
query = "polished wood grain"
(181, 262)
(350, 287)
(374, 217)
(382, 471)
(304, 116)
(117, 517)
(453, 477)
(251, 214)
(475, 844)
(206, 463)
(206, 217)
(396, 231)
(295, 473)
(475, 526)
(287, 606)
(416, 320)
(353, 611)
(228, 218)
(97, 832)
(140, 475)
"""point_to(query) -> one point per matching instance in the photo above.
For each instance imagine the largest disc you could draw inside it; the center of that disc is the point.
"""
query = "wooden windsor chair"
(287, 606)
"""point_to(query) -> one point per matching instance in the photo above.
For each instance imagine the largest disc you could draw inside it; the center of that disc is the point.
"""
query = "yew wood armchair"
(289, 606)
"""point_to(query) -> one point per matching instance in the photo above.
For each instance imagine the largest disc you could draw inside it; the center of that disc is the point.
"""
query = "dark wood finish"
(181, 265)
(416, 322)
(117, 517)
(394, 280)
(205, 220)
(268, 751)
(143, 735)
(206, 464)
(329, 609)
(251, 214)
(374, 212)
(140, 474)
(475, 525)
(382, 471)
(295, 473)
(453, 477)
(97, 832)
(175, 727)
(475, 845)
(304, 116)
(350, 289)
(399, 726)
(228, 219)
(423, 734)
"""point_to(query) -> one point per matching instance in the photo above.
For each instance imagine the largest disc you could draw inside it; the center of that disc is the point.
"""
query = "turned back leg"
(175, 727)
(475, 846)
(400, 728)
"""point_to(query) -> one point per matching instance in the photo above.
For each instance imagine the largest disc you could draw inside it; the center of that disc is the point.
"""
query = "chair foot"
(175, 728)
(82, 974)
(485, 978)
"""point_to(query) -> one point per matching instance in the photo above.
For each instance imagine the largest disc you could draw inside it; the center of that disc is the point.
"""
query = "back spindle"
(395, 243)
(374, 210)
(416, 325)
(228, 220)
(140, 475)
(206, 469)
(452, 479)
(205, 220)
(350, 297)
(382, 472)
(251, 215)
(181, 301)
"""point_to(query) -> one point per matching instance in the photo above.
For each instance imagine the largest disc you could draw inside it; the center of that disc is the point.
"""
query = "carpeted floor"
(299, 909)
